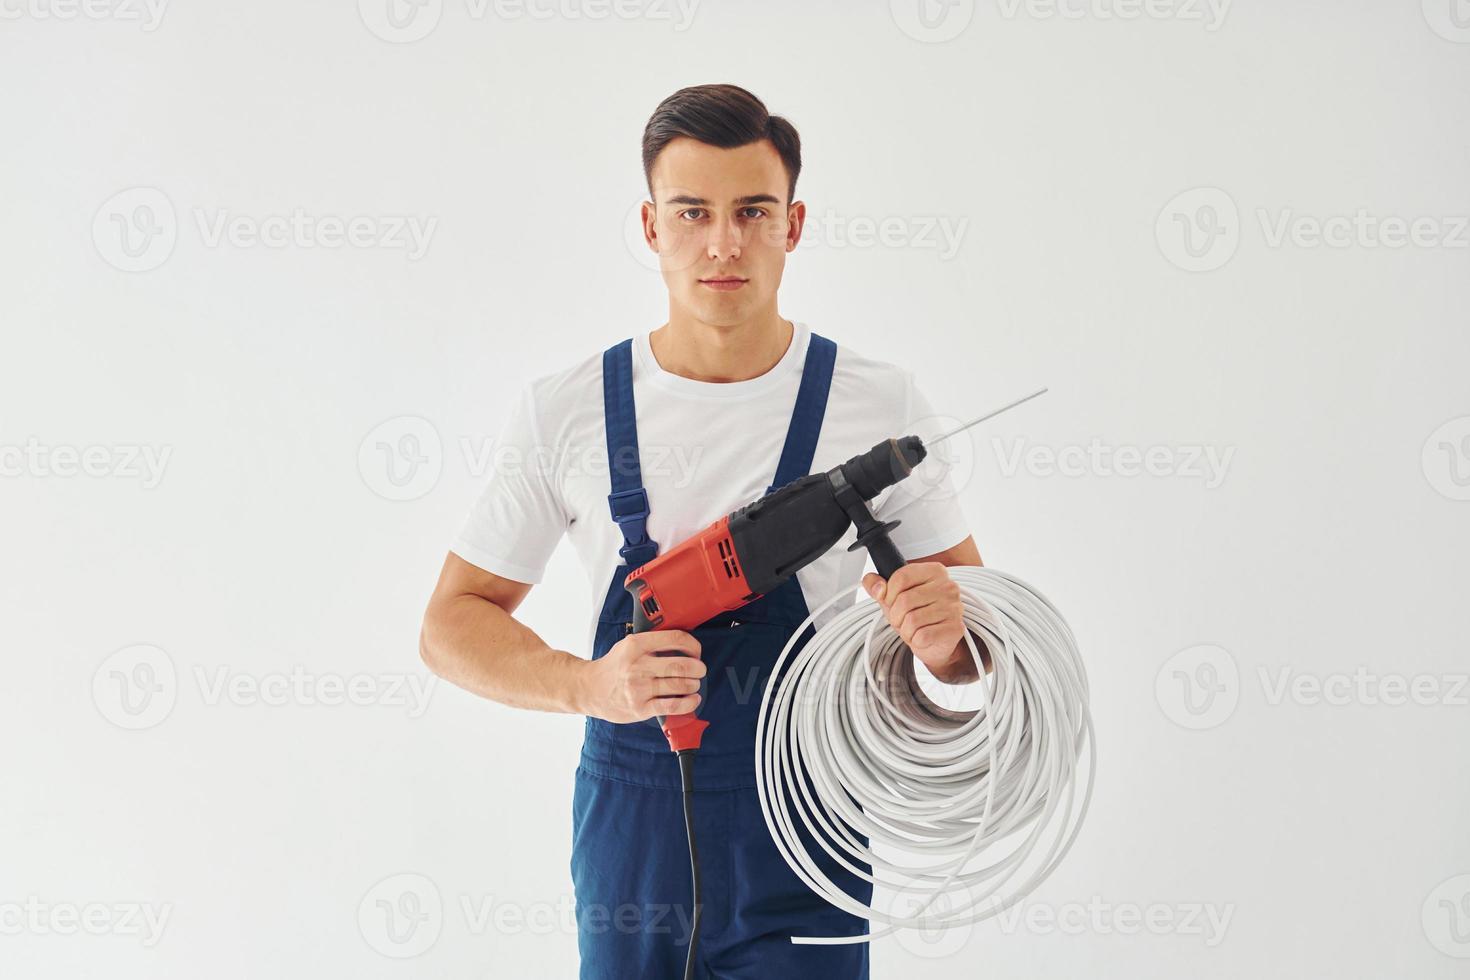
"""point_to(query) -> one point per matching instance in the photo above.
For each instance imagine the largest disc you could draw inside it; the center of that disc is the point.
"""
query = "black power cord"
(686, 776)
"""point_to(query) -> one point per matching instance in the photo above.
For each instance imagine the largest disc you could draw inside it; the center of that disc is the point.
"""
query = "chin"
(720, 314)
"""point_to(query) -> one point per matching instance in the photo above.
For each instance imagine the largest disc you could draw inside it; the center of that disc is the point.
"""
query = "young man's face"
(721, 227)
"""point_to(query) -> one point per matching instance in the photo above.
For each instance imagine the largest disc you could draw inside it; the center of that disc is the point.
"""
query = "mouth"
(723, 283)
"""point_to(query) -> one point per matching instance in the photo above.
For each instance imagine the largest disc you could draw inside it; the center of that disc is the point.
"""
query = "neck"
(721, 353)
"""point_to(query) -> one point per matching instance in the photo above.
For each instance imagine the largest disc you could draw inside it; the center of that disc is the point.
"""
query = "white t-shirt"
(706, 449)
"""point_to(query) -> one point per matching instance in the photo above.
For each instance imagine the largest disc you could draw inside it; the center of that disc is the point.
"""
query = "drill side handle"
(885, 554)
(871, 532)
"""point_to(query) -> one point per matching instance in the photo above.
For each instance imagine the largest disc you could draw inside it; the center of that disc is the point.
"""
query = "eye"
(759, 212)
(695, 211)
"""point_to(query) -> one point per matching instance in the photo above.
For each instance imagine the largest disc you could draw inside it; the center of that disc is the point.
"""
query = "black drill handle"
(886, 557)
(642, 624)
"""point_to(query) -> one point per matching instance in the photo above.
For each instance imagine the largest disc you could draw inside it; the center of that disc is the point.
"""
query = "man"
(747, 401)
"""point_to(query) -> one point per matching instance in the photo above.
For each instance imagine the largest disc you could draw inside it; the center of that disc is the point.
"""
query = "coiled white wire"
(954, 804)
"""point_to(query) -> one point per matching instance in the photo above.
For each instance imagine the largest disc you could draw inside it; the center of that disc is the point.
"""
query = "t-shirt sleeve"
(518, 519)
(927, 500)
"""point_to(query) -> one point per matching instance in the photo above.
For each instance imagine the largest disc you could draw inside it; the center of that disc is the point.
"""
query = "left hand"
(923, 604)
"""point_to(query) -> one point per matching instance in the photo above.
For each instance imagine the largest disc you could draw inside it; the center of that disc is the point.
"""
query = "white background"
(1335, 538)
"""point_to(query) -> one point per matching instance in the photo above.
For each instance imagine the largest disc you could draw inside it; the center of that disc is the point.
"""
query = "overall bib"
(630, 859)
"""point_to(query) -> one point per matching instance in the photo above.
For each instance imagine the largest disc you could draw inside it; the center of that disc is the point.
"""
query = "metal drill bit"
(991, 415)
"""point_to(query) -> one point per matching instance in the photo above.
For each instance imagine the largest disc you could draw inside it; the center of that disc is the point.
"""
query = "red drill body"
(747, 553)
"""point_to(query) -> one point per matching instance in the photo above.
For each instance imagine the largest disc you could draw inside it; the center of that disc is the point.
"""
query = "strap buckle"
(630, 511)
(628, 506)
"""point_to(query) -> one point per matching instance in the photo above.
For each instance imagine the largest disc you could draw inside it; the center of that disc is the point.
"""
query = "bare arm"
(470, 639)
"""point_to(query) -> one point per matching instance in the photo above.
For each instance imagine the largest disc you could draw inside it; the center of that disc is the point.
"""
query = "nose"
(724, 240)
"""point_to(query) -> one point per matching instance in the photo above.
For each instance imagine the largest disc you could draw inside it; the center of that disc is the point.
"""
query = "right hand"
(631, 682)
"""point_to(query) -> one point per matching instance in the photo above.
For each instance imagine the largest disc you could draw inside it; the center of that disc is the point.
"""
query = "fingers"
(675, 686)
(937, 589)
(655, 641)
(929, 615)
(658, 666)
(675, 706)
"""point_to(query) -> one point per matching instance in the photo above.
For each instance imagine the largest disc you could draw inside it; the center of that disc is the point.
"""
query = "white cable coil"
(954, 803)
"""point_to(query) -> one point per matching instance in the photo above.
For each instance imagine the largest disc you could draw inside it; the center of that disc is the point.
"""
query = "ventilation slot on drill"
(727, 555)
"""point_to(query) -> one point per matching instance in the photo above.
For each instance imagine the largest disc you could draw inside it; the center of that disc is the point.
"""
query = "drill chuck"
(884, 465)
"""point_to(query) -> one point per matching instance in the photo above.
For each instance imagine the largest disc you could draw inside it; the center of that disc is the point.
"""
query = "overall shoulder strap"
(628, 501)
(806, 417)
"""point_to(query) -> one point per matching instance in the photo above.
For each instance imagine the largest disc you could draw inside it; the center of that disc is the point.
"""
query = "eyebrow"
(747, 199)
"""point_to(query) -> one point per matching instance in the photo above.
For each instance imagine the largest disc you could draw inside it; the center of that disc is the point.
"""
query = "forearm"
(475, 644)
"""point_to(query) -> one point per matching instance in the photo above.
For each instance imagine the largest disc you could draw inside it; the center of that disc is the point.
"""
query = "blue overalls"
(630, 859)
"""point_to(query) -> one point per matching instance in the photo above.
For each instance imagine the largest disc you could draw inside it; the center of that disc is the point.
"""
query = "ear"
(648, 216)
(795, 221)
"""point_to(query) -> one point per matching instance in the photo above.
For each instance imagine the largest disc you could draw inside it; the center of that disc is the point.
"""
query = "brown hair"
(726, 116)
